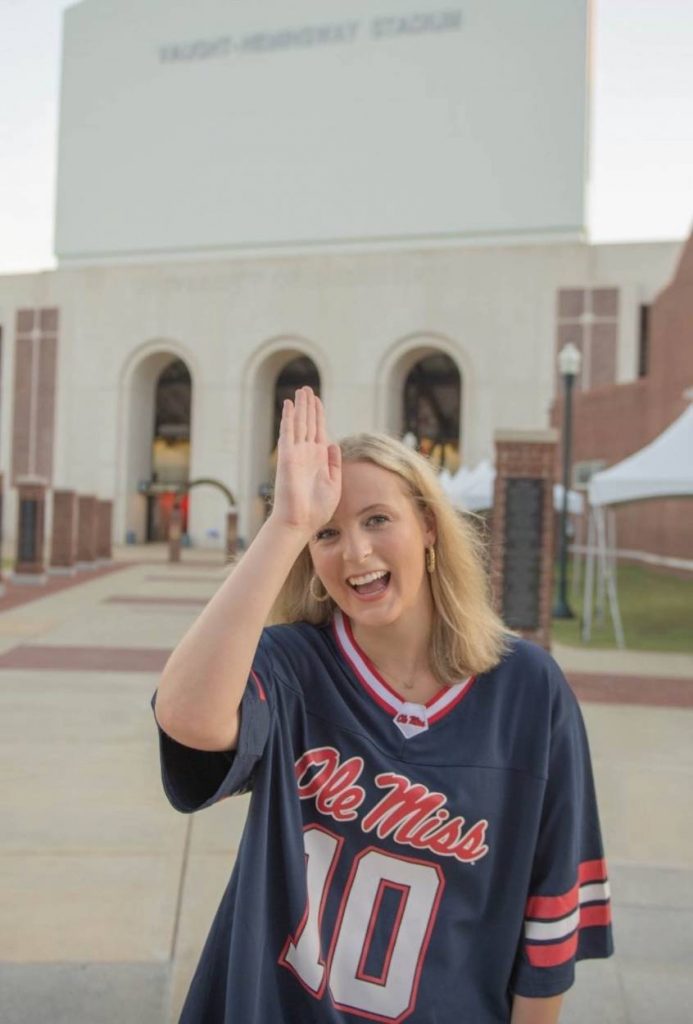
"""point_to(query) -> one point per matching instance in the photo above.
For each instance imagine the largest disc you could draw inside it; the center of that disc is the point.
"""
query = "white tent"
(662, 469)
(445, 478)
(476, 493)
(454, 485)
(472, 490)
(576, 502)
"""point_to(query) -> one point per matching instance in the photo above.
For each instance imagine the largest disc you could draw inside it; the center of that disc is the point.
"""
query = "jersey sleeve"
(567, 914)
(194, 779)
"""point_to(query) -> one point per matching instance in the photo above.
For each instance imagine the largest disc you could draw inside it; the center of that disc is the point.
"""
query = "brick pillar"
(64, 539)
(2, 532)
(104, 517)
(522, 532)
(231, 534)
(29, 565)
(86, 531)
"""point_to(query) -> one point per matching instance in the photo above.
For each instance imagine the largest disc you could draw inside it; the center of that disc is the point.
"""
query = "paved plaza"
(107, 893)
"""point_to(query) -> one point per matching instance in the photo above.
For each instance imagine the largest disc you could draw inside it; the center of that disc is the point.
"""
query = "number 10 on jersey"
(417, 887)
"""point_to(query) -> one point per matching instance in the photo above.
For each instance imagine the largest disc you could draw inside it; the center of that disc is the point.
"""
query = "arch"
(279, 345)
(136, 386)
(208, 481)
(169, 347)
(397, 364)
(257, 396)
(297, 372)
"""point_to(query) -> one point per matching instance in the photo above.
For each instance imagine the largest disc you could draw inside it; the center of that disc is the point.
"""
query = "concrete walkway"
(106, 893)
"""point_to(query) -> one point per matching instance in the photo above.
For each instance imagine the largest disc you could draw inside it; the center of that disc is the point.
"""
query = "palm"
(308, 483)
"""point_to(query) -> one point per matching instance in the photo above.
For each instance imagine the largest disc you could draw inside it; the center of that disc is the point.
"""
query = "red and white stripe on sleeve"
(553, 923)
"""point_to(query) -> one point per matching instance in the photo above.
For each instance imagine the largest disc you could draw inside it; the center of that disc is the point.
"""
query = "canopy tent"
(454, 485)
(576, 502)
(662, 469)
(472, 490)
(444, 478)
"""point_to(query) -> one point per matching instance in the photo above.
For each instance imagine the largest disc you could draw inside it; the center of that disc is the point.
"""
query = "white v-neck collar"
(409, 717)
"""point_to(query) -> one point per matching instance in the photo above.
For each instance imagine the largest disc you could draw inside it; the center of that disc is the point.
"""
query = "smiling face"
(370, 557)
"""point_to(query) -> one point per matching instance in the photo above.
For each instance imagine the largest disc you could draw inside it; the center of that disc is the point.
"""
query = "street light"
(569, 362)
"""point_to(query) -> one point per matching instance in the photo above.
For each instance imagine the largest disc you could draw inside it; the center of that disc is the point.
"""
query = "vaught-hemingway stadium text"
(310, 36)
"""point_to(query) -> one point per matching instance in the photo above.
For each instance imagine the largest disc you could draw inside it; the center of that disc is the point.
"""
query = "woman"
(422, 842)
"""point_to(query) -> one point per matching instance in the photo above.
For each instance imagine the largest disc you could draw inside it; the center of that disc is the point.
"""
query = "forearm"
(536, 1011)
(203, 682)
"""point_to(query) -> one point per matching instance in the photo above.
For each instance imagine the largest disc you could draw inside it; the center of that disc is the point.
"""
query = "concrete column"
(522, 546)
(29, 564)
(64, 539)
(86, 531)
(104, 529)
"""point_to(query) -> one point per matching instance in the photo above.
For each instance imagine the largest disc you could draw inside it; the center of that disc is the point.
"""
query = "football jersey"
(400, 862)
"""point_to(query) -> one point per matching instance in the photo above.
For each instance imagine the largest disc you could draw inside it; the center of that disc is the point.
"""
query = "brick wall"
(33, 424)
(64, 539)
(616, 420)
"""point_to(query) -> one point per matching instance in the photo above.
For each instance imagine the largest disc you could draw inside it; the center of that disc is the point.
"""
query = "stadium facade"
(387, 203)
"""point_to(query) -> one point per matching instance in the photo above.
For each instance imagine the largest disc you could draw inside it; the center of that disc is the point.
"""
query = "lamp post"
(569, 362)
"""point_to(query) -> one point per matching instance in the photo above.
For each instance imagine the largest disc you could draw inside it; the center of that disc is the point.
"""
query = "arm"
(536, 1011)
(203, 681)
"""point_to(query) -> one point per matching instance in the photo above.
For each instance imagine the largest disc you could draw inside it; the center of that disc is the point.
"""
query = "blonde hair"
(468, 637)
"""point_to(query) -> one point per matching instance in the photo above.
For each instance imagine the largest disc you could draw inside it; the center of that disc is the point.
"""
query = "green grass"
(656, 609)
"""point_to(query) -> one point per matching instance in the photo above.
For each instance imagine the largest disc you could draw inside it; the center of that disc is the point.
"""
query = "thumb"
(334, 461)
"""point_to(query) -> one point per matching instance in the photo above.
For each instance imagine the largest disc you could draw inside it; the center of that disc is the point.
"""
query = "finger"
(286, 424)
(300, 416)
(334, 461)
(311, 415)
(320, 424)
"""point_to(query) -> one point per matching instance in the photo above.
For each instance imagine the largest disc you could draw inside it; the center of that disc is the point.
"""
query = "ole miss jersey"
(400, 862)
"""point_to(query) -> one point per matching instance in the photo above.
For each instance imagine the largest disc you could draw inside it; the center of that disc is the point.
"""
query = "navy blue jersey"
(400, 862)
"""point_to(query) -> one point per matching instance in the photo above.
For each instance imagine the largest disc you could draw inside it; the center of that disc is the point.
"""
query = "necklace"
(407, 684)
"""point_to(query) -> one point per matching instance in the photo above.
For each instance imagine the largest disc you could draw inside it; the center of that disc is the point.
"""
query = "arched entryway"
(420, 397)
(170, 449)
(155, 458)
(431, 407)
(274, 374)
(297, 373)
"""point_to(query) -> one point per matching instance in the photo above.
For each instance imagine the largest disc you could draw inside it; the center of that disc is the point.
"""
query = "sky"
(641, 185)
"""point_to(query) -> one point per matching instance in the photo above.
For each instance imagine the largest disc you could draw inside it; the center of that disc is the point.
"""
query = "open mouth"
(370, 584)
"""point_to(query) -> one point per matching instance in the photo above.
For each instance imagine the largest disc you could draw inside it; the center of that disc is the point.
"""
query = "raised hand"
(308, 484)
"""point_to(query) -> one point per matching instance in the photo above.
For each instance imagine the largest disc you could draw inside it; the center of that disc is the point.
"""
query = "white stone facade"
(364, 318)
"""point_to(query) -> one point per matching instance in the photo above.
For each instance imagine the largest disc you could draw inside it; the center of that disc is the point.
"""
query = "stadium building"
(387, 200)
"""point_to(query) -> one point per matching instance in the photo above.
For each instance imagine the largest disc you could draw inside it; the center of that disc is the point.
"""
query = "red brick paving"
(652, 691)
(85, 659)
(181, 579)
(199, 563)
(610, 689)
(17, 594)
(144, 599)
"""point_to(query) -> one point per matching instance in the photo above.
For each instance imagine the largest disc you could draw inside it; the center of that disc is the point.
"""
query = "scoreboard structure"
(231, 125)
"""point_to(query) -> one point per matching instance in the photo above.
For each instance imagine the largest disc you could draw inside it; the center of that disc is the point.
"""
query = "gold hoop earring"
(431, 559)
(316, 597)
